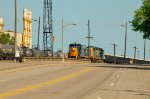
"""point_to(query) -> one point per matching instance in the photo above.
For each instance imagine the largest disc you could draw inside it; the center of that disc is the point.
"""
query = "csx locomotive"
(97, 55)
(77, 50)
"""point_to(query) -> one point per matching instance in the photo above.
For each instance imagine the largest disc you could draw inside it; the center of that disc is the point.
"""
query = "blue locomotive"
(77, 50)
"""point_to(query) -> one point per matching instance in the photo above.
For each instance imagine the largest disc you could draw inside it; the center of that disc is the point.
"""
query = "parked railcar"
(1, 51)
(7, 52)
(36, 52)
(117, 59)
(120, 60)
(26, 52)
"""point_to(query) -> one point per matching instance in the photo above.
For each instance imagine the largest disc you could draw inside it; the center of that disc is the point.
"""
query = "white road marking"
(23, 68)
(55, 69)
(99, 98)
(112, 84)
(118, 76)
(3, 80)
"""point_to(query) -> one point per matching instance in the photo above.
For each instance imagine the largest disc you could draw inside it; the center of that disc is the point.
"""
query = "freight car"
(120, 60)
(79, 51)
(7, 52)
(117, 59)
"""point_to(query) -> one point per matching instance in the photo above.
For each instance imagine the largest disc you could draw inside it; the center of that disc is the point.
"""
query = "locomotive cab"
(74, 50)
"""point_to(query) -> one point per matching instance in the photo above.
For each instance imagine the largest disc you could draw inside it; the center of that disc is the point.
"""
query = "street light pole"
(63, 27)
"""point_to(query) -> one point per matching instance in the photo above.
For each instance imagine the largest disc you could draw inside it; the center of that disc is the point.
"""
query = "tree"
(141, 20)
(6, 38)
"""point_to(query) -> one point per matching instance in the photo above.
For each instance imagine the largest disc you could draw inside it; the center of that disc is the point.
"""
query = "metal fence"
(53, 60)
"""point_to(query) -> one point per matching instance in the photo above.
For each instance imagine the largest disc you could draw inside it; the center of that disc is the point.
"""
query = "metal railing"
(53, 60)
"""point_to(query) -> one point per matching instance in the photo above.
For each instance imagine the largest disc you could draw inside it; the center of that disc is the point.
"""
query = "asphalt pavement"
(74, 81)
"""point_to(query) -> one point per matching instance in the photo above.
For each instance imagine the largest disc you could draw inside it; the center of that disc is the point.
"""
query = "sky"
(106, 18)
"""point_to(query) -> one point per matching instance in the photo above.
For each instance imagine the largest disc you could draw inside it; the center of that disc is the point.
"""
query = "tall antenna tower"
(47, 28)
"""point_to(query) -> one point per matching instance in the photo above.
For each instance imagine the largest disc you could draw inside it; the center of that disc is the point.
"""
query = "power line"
(99, 43)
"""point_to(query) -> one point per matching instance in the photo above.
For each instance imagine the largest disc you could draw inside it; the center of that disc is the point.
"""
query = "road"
(74, 81)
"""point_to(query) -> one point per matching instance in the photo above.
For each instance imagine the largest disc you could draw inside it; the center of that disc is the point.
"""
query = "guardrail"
(53, 60)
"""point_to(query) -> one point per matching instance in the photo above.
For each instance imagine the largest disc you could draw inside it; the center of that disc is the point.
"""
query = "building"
(25, 38)
(27, 28)
(19, 37)
(1, 24)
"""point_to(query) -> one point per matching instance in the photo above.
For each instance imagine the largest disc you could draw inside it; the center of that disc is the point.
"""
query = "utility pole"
(114, 52)
(38, 42)
(89, 39)
(63, 40)
(125, 46)
(144, 48)
(135, 48)
(15, 32)
(138, 54)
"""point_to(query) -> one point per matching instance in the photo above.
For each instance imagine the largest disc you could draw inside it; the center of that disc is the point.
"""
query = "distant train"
(79, 51)
(97, 55)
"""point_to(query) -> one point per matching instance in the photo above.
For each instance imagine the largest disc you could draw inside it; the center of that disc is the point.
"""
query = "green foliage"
(141, 20)
(6, 38)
